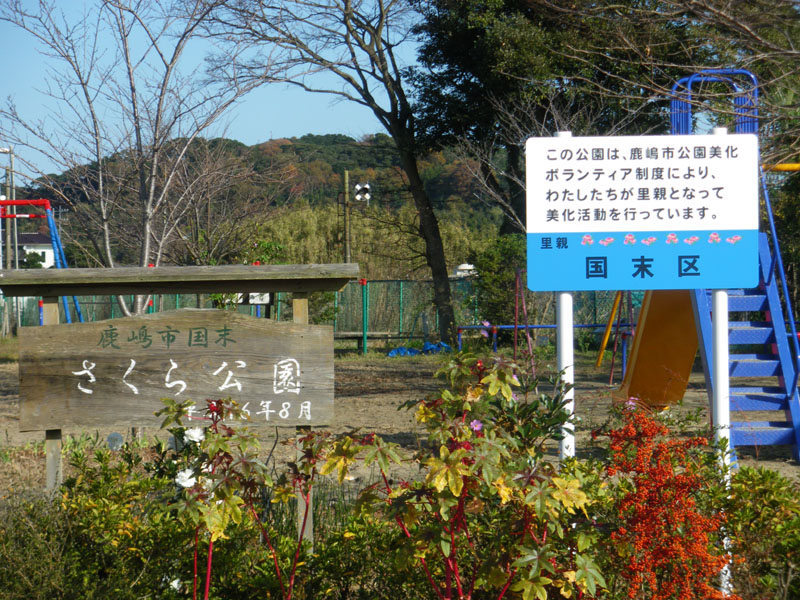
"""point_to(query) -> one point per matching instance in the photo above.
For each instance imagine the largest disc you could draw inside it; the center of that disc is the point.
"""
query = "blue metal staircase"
(763, 367)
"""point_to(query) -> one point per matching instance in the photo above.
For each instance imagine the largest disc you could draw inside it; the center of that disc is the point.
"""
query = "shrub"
(360, 561)
(489, 517)
(764, 528)
(112, 532)
(666, 545)
(33, 549)
(496, 268)
(121, 539)
(103, 536)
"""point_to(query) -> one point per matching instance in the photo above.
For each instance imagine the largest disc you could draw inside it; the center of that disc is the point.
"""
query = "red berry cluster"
(665, 540)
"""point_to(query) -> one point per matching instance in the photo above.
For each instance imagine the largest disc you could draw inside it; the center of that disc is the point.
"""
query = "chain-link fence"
(402, 307)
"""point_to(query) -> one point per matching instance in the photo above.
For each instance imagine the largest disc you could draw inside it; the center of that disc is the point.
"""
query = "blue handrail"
(746, 110)
(61, 263)
(746, 104)
(778, 262)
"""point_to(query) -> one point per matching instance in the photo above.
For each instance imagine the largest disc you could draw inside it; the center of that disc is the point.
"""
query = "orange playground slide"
(662, 352)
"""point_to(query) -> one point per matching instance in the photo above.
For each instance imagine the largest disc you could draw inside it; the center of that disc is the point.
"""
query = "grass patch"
(9, 349)
(377, 356)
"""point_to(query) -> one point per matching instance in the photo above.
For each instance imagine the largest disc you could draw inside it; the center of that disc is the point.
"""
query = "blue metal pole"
(624, 354)
(61, 263)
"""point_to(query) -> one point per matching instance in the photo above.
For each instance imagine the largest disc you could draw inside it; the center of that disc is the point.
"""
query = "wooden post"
(300, 316)
(52, 437)
(52, 450)
(300, 308)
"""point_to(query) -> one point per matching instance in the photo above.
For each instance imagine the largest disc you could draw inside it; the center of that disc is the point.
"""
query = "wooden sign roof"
(177, 280)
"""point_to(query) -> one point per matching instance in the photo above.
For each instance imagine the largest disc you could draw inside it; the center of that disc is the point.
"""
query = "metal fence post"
(400, 330)
(364, 314)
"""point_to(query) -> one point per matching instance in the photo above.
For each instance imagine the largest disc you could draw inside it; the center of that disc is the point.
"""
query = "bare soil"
(368, 392)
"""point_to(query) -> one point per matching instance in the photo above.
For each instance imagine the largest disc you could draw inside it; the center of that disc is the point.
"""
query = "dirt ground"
(368, 392)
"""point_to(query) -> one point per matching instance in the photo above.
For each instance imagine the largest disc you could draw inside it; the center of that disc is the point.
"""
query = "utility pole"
(5, 328)
(346, 216)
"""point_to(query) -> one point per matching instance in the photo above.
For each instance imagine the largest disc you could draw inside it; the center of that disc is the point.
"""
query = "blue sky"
(269, 112)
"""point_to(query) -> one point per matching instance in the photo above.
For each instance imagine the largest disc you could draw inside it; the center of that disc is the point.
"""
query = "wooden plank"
(54, 472)
(300, 308)
(52, 449)
(300, 316)
(177, 280)
(111, 373)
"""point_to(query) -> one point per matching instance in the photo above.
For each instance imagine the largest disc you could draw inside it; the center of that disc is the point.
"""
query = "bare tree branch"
(359, 43)
(126, 108)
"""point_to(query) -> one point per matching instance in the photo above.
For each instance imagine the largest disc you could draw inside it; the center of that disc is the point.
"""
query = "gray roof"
(29, 239)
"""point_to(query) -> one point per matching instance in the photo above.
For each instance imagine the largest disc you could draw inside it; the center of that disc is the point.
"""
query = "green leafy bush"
(488, 517)
(361, 561)
(33, 549)
(764, 528)
(497, 267)
(102, 536)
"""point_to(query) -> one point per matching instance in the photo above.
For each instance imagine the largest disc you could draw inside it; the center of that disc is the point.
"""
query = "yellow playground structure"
(663, 349)
(665, 343)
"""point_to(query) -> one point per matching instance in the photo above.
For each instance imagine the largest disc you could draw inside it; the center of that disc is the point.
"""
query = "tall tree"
(126, 104)
(763, 37)
(760, 36)
(353, 49)
(496, 72)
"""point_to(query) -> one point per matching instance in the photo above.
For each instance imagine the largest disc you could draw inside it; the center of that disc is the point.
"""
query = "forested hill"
(315, 166)
(310, 168)
(280, 201)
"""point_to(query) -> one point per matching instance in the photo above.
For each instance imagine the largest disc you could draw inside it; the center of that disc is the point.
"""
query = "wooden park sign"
(284, 370)
(117, 372)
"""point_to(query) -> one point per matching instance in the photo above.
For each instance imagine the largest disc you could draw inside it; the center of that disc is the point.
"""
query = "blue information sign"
(642, 212)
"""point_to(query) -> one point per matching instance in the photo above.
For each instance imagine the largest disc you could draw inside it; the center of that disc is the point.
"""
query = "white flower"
(175, 584)
(186, 478)
(195, 434)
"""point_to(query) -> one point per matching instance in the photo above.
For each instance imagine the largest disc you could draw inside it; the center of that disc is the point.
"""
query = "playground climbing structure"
(762, 335)
(55, 240)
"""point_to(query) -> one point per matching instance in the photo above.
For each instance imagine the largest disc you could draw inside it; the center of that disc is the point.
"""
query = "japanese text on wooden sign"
(116, 372)
(642, 212)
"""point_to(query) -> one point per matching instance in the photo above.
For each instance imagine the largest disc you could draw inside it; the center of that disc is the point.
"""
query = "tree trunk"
(434, 248)
(516, 192)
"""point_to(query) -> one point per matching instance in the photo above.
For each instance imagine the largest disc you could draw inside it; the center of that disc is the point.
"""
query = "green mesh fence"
(402, 308)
